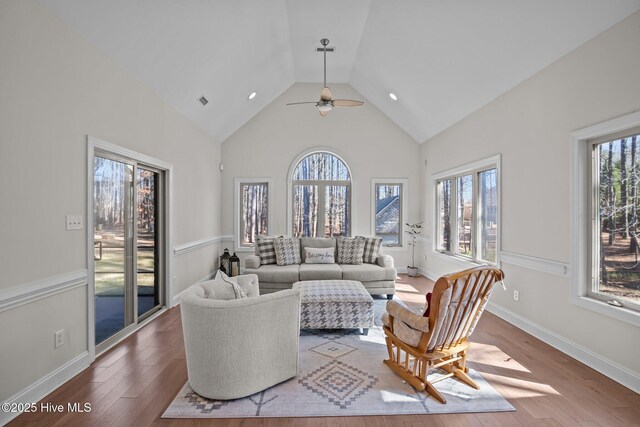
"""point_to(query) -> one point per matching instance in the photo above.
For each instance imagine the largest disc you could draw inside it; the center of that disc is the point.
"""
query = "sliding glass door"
(127, 245)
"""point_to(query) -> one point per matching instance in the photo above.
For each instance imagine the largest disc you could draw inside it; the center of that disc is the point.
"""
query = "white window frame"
(321, 183)
(468, 169)
(581, 213)
(239, 247)
(404, 189)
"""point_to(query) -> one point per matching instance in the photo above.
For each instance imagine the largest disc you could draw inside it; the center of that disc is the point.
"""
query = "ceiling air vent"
(204, 101)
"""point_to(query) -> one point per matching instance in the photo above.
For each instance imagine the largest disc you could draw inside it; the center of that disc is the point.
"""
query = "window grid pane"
(388, 213)
(305, 210)
(321, 167)
(254, 212)
(336, 222)
(465, 215)
(444, 215)
(617, 259)
(488, 204)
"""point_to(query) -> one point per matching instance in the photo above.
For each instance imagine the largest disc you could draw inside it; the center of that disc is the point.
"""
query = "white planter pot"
(412, 271)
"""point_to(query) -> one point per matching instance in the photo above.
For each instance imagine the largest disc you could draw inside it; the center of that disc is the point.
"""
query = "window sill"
(619, 313)
(462, 262)
(245, 249)
(385, 249)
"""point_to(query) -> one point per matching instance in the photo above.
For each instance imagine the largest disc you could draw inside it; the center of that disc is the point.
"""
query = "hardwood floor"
(134, 382)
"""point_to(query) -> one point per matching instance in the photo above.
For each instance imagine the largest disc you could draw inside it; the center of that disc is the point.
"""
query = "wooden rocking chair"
(439, 337)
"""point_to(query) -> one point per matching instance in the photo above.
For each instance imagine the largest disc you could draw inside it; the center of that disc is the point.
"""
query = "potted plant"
(414, 231)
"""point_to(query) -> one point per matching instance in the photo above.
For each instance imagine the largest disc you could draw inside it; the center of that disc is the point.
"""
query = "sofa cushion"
(367, 272)
(371, 249)
(316, 242)
(287, 250)
(320, 272)
(319, 256)
(350, 251)
(277, 273)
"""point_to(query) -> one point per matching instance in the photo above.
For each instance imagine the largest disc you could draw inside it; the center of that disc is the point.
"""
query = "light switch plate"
(74, 222)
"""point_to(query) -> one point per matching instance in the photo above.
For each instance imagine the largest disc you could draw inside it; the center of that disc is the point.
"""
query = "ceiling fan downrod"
(324, 43)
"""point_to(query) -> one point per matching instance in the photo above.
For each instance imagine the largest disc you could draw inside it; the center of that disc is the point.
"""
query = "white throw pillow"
(223, 283)
(319, 256)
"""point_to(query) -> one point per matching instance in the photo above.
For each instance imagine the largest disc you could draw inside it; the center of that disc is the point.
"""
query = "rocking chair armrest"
(411, 318)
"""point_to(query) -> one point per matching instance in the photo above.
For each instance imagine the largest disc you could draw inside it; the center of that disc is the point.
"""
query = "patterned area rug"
(340, 373)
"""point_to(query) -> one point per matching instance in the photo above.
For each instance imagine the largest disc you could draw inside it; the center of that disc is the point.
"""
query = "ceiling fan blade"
(297, 103)
(347, 103)
(325, 95)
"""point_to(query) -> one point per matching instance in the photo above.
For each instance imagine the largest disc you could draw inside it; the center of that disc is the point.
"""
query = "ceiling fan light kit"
(326, 102)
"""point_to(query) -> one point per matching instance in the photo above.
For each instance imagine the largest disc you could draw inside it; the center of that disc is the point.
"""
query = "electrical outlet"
(58, 338)
(516, 295)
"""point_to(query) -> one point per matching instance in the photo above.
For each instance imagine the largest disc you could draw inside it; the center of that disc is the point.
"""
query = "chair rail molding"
(185, 248)
(29, 292)
(538, 264)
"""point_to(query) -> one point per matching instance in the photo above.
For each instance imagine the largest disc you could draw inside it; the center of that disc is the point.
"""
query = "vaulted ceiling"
(443, 58)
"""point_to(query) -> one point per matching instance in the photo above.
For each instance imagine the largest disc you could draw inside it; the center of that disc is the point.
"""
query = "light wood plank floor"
(134, 382)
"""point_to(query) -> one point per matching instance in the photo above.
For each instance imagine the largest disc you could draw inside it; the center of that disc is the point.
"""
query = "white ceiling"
(443, 58)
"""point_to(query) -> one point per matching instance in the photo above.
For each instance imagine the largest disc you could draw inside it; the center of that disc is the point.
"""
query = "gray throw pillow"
(371, 249)
(287, 250)
(350, 251)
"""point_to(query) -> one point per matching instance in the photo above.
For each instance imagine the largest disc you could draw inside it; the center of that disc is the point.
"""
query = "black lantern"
(224, 262)
(234, 264)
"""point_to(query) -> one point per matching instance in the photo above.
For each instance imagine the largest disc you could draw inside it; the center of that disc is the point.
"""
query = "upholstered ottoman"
(334, 304)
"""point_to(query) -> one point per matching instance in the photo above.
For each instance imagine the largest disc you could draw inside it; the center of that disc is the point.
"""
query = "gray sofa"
(378, 279)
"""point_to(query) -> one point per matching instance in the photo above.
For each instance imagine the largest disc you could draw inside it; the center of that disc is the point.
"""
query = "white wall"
(372, 146)
(55, 89)
(530, 126)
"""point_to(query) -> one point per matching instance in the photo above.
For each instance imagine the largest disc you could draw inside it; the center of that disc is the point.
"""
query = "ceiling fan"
(326, 102)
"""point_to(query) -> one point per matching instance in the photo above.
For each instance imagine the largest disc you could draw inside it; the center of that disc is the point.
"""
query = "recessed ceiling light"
(251, 96)
(393, 96)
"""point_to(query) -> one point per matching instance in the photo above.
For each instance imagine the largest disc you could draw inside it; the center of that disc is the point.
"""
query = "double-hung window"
(614, 208)
(252, 210)
(605, 209)
(468, 210)
(389, 210)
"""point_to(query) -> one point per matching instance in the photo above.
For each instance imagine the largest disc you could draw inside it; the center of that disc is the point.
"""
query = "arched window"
(321, 196)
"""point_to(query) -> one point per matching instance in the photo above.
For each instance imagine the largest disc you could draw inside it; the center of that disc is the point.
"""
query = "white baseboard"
(176, 298)
(601, 364)
(428, 274)
(47, 384)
